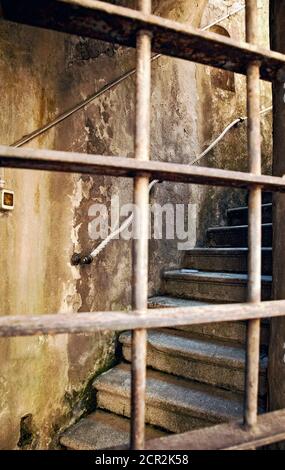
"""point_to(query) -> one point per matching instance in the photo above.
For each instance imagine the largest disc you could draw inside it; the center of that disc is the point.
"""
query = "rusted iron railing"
(254, 219)
(147, 32)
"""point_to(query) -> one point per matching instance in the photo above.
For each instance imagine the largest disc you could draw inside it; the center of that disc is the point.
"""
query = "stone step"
(209, 286)
(101, 430)
(228, 260)
(239, 215)
(172, 403)
(202, 360)
(232, 332)
(236, 236)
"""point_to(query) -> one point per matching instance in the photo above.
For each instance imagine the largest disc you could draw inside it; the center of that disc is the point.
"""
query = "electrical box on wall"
(6, 200)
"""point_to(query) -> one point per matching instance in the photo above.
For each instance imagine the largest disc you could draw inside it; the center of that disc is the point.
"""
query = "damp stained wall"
(45, 382)
(222, 99)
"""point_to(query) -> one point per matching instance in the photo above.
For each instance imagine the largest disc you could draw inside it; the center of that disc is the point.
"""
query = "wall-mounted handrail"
(82, 104)
(90, 257)
(87, 259)
(66, 114)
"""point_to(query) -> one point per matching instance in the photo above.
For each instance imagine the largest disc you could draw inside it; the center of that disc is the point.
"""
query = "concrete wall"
(43, 73)
(45, 383)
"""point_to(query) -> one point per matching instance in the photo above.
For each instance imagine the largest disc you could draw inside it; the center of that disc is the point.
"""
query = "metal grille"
(149, 33)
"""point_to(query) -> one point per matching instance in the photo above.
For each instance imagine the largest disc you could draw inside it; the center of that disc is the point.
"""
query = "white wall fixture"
(6, 200)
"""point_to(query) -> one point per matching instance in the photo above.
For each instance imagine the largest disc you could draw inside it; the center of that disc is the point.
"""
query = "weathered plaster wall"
(46, 380)
(44, 377)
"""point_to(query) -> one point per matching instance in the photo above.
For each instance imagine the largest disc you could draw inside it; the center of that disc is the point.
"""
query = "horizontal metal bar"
(153, 318)
(270, 428)
(70, 162)
(117, 24)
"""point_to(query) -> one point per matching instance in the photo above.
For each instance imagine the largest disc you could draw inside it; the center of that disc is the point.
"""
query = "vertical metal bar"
(254, 221)
(140, 243)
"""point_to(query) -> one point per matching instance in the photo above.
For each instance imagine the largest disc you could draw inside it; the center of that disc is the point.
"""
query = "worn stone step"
(232, 331)
(202, 360)
(210, 286)
(236, 236)
(172, 403)
(101, 430)
(239, 215)
(228, 260)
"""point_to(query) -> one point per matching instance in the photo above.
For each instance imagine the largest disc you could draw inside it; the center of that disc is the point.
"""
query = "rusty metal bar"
(71, 162)
(254, 221)
(113, 23)
(270, 428)
(140, 243)
(58, 323)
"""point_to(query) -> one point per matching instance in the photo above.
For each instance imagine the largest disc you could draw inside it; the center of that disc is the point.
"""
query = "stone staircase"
(195, 374)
